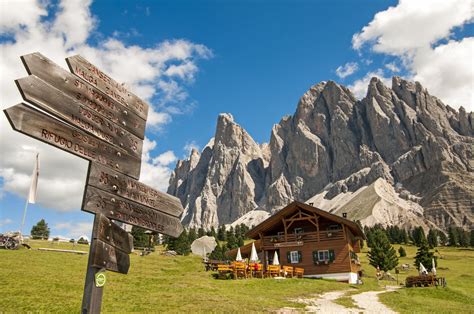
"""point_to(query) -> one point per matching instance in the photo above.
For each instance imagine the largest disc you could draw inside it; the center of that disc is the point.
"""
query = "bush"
(402, 252)
(82, 241)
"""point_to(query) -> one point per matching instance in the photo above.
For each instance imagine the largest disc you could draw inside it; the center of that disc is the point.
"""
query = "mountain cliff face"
(398, 156)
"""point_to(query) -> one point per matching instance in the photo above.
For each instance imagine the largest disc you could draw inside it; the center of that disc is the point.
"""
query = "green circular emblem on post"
(100, 279)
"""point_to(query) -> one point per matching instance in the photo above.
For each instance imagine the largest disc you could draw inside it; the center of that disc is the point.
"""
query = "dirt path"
(368, 302)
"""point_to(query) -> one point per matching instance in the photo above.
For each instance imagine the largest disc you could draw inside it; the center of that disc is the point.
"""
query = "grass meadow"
(39, 281)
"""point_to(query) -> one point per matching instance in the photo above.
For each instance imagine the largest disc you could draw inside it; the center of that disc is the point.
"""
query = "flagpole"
(24, 216)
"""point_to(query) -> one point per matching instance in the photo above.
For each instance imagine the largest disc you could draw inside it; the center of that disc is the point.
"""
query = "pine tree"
(221, 234)
(231, 239)
(432, 238)
(404, 236)
(192, 235)
(472, 238)
(201, 232)
(453, 237)
(418, 236)
(402, 252)
(424, 256)
(240, 241)
(182, 245)
(381, 253)
(237, 231)
(213, 232)
(140, 238)
(40, 230)
(463, 238)
(443, 239)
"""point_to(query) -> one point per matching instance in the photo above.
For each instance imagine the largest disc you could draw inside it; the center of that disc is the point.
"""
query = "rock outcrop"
(401, 140)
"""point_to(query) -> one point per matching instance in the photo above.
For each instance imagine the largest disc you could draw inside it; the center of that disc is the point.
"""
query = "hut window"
(299, 230)
(323, 256)
(294, 257)
(334, 227)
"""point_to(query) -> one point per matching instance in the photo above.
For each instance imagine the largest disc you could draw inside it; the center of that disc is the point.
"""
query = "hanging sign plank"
(53, 101)
(109, 232)
(38, 125)
(89, 72)
(83, 92)
(121, 209)
(108, 257)
(111, 181)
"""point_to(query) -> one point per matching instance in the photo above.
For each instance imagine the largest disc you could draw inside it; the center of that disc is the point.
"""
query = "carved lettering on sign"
(114, 182)
(48, 98)
(89, 72)
(40, 126)
(86, 94)
(118, 208)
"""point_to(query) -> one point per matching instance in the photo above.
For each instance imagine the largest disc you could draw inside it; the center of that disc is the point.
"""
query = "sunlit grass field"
(41, 281)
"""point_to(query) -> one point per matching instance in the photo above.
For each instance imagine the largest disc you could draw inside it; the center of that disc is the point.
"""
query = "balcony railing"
(298, 239)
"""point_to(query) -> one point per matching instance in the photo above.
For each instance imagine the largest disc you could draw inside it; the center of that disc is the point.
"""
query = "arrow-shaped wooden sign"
(46, 97)
(38, 125)
(83, 92)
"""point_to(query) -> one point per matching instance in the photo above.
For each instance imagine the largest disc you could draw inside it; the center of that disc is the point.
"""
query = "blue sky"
(253, 59)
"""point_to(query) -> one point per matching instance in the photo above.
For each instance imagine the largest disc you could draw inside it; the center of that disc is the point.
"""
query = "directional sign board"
(86, 70)
(109, 232)
(51, 131)
(114, 182)
(86, 94)
(46, 97)
(125, 210)
(91, 115)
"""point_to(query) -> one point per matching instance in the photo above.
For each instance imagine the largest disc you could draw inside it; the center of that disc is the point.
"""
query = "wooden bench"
(273, 271)
(256, 270)
(288, 271)
(299, 272)
(240, 270)
(223, 270)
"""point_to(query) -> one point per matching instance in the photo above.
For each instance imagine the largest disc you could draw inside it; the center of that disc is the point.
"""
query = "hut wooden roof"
(293, 207)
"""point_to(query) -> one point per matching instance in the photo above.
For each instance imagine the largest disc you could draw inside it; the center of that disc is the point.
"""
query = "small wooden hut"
(325, 245)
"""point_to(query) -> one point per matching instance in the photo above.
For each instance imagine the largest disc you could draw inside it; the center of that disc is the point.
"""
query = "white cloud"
(421, 35)
(158, 74)
(165, 159)
(73, 230)
(359, 87)
(155, 172)
(346, 69)
(392, 67)
(189, 147)
(6, 221)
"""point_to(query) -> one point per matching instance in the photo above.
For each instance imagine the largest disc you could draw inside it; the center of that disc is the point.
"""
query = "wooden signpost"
(96, 118)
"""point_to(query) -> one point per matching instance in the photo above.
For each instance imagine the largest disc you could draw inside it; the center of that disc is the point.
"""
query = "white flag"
(34, 182)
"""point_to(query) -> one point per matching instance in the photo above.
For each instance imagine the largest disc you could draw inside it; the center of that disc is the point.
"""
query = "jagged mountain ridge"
(336, 144)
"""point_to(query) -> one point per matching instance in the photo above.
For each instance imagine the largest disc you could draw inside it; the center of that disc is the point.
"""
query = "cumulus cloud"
(4, 222)
(155, 172)
(347, 69)
(422, 35)
(189, 146)
(74, 230)
(159, 74)
(359, 87)
(392, 67)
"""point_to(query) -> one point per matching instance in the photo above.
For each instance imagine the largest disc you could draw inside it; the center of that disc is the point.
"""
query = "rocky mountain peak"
(400, 147)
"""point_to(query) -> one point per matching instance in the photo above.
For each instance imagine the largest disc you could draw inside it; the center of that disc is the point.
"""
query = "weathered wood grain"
(109, 232)
(111, 181)
(83, 92)
(46, 97)
(89, 72)
(108, 257)
(121, 209)
(38, 125)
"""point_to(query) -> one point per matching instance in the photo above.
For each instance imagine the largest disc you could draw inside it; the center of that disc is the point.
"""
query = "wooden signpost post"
(94, 117)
